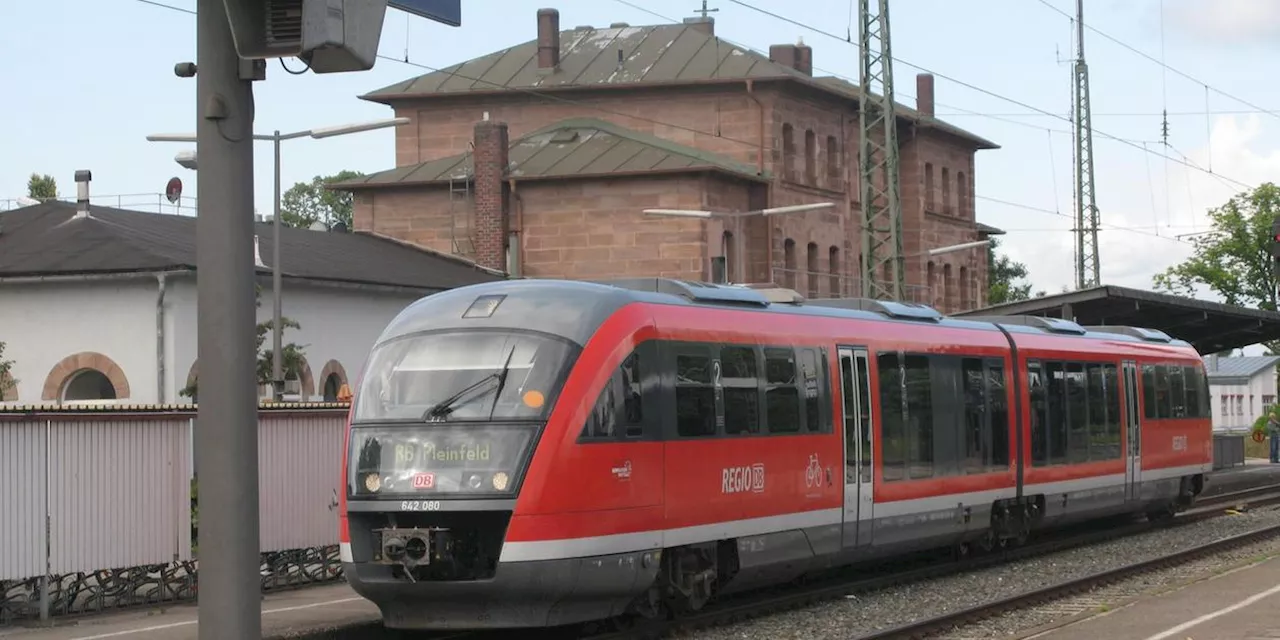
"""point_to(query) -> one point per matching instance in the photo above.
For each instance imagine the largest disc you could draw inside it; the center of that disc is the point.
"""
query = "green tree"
(309, 202)
(42, 187)
(291, 362)
(1234, 259)
(1003, 275)
(6, 377)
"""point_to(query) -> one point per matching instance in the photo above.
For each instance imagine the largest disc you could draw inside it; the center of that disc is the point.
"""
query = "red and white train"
(543, 452)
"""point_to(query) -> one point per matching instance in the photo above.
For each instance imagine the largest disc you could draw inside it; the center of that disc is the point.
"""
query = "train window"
(918, 388)
(976, 419)
(1192, 382)
(1097, 401)
(864, 406)
(782, 397)
(893, 419)
(1077, 414)
(849, 401)
(695, 393)
(617, 412)
(815, 404)
(1056, 387)
(1177, 393)
(1111, 389)
(1039, 414)
(740, 382)
(998, 406)
(1164, 401)
(1148, 392)
(1202, 393)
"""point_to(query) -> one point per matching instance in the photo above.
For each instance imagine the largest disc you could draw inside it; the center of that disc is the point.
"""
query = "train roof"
(574, 309)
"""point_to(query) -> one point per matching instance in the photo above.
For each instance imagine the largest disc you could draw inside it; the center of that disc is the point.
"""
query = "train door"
(1133, 432)
(855, 391)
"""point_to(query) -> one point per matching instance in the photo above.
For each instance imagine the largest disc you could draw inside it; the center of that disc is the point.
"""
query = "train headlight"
(500, 481)
(373, 482)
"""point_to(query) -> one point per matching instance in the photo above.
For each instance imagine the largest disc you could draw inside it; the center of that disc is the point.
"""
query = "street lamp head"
(187, 159)
(343, 129)
(682, 213)
(172, 137)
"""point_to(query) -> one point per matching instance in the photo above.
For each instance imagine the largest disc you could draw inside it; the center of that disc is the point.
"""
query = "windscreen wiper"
(446, 406)
(502, 381)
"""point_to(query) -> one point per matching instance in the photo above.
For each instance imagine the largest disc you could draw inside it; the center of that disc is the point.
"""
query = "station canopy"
(1210, 327)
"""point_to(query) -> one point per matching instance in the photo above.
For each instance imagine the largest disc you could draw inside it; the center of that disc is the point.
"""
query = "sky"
(88, 80)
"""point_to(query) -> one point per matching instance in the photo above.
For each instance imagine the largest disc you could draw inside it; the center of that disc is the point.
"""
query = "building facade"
(539, 159)
(99, 305)
(1241, 389)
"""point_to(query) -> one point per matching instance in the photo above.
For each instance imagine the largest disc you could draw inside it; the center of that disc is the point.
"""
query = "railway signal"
(1275, 244)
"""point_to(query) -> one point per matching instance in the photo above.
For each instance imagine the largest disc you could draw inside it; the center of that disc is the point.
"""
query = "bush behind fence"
(101, 505)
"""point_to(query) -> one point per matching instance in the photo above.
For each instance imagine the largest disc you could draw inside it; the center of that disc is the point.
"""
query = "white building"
(1240, 389)
(99, 304)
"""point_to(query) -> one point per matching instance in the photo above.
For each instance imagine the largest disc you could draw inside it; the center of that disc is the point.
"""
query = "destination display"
(435, 459)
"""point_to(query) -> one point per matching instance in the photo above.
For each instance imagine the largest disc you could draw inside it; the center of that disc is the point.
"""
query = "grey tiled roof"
(629, 56)
(569, 148)
(1241, 366)
(48, 240)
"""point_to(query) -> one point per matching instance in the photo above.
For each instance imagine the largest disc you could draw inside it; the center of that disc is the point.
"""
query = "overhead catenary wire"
(969, 85)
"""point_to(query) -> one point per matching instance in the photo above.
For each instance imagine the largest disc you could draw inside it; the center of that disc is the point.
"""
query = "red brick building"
(539, 159)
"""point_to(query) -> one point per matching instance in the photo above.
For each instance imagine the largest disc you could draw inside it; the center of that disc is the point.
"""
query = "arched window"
(88, 384)
(85, 376)
(788, 152)
(962, 195)
(810, 157)
(946, 288)
(789, 263)
(833, 163)
(833, 266)
(964, 289)
(931, 284)
(929, 197)
(813, 269)
(730, 253)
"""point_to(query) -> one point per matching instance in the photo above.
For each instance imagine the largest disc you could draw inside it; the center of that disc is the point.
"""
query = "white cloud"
(1132, 257)
(1226, 21)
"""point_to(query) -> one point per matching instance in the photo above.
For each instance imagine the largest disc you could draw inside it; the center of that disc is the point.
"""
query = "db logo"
(813, 473)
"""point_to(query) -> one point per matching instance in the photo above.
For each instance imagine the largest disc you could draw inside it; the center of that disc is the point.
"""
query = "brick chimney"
(548, 39)
(804, 58)
(492, 199)
(783, 54)
(705, 24)
(924, 93)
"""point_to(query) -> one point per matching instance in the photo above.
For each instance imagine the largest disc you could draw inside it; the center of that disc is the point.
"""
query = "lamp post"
(189, 160)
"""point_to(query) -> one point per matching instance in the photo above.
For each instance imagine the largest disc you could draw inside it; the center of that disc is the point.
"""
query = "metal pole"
(277, 331)
(226, 427)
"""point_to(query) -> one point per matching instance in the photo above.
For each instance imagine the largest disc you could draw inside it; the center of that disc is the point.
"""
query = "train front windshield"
(455, 411)
(460, 376)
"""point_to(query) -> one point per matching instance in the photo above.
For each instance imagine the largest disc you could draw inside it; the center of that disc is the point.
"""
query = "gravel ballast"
(864, 613)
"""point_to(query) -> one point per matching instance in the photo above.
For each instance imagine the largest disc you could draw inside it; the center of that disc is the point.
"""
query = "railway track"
(951, 621)
(749, 606)
(782, 599)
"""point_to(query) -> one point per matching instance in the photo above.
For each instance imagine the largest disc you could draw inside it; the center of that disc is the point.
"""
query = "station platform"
(1242, 604)
(334, 610)
(298, 613)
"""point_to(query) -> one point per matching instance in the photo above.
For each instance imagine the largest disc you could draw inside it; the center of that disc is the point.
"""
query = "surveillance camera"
(184, 69)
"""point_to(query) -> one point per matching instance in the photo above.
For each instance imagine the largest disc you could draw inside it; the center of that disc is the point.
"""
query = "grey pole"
(277, 331)
(226, 418)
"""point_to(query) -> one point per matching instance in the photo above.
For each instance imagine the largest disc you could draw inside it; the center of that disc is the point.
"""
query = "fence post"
(48, 565)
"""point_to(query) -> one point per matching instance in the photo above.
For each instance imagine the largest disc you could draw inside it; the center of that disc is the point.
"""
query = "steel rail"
(771, 601)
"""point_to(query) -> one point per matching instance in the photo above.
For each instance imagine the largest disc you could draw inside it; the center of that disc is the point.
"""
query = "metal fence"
(98, 504)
